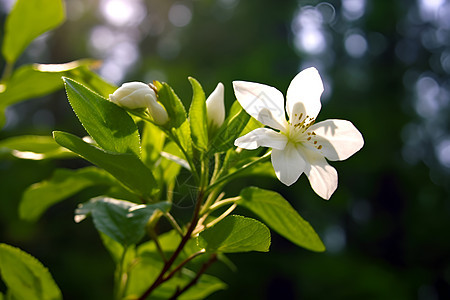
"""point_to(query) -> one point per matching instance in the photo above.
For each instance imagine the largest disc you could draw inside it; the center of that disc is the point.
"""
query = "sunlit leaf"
(33, 147)
(25, 277)
(108, 124)
(27, 20)
(36, 80)
(197, 116)
(279, 215)
(121, 220)
(64, 183)
(87, 77)
(127, 168)
(235, 234)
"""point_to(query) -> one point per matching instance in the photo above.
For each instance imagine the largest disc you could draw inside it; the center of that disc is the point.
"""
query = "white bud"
(131, 95)
(215, 107)
(135, 95)
(157, 111)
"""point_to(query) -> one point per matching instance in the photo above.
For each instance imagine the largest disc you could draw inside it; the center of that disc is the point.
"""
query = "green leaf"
(114, 248)
(25, 276)
(183, 134)
(197, 116)
(170, 166)
(152, 144)
(235, 234)
(64, 183)
(33, 147)
(127, 168)
(121, 220)
(27, 20)
(31, 81)
(173, 105)
(108, 124)
(279, 215)
(230, 131)
(142, 275)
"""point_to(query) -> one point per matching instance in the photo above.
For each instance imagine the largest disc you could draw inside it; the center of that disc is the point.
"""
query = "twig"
(203, 269)
(161, 278)
(183, 263)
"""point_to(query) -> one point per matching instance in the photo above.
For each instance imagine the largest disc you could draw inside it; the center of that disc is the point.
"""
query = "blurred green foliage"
(385, 228)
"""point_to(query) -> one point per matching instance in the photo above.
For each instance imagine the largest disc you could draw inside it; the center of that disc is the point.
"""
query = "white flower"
(299, 146)
(215, 107)
(138, 95)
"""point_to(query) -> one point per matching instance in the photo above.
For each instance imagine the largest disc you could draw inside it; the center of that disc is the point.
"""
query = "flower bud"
(138, 95)
(157, 111)
(131, 95)
(215, 107)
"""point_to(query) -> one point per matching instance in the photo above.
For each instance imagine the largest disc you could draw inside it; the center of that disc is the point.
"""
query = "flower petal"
(303, 96)
(339, 139)
(322, 177)
(263, 102)
(288, 164)
(262, 137)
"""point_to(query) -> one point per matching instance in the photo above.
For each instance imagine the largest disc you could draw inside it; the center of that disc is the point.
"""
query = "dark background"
(386, 67)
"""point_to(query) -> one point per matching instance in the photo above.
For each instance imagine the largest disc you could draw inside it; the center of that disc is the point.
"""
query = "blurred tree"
(386, 68)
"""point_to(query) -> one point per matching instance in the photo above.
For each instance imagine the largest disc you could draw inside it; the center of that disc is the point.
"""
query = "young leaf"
(25, 276)
(34, 147)
(230, 131)
(27, 20)
(63, 184)
(279, 215)
(197, 116)
(109, 125)
(121, 220)
(173, 105)
(235, 234)
(127, 168)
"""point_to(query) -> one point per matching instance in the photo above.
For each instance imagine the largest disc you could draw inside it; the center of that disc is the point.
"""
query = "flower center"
(298, 133)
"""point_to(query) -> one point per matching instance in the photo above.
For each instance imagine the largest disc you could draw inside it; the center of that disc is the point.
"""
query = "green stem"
(215, 221)
(241, 169)
(224, 202)
(154, 236)
(216, 166)
(7, 72)
(174, 223)
(121, 276)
